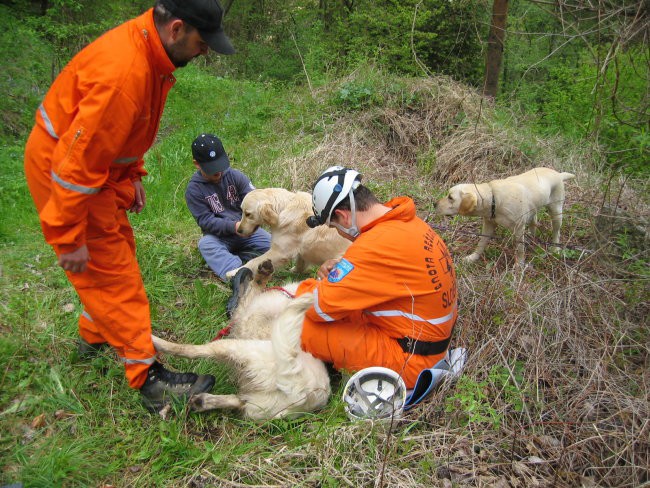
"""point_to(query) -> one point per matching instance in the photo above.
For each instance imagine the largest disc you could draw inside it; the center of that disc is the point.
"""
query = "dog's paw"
(264, 272)
(197, 403)
(266, 268)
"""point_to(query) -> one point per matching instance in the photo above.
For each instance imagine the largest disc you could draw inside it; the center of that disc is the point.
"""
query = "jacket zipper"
(74, 140)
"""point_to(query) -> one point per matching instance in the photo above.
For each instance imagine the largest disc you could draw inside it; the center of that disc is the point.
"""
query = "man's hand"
(325, 268)
(75, 261)
(140, 197)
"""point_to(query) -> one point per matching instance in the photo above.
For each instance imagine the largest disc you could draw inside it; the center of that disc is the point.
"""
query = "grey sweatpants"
(225, 253)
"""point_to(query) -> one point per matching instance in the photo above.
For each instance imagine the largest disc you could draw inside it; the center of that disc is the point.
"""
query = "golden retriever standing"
(285, 214)
(275, 377)
(512, 203)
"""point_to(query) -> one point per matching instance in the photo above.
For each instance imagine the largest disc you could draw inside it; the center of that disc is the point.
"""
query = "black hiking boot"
(86, 350)
(239, 284)
(162, 386)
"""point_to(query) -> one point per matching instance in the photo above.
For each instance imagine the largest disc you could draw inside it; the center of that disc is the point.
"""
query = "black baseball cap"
(206, 17)
(208, 151)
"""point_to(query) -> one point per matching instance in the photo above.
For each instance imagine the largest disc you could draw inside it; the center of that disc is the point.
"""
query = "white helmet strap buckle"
(352, 231)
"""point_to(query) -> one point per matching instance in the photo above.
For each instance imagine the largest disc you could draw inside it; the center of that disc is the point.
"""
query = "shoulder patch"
(340, 271)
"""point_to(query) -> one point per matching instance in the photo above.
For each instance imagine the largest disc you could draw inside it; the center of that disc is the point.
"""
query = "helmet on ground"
(331, 187)
(374, 393)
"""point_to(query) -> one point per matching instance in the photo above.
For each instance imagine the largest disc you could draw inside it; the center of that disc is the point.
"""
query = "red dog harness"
(226, 330)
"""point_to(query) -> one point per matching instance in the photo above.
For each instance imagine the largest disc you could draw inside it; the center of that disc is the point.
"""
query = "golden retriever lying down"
(512, 202)
(285, 213)
(275, 377)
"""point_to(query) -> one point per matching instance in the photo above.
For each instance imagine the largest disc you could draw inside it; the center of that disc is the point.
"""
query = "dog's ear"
(467, 203)
(269, 215)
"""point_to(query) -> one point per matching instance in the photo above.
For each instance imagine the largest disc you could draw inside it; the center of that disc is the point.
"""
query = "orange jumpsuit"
(396, 281)
(92, 130)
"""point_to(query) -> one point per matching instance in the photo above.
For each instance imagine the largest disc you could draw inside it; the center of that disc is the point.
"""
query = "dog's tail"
(567, 176)
(285, 336)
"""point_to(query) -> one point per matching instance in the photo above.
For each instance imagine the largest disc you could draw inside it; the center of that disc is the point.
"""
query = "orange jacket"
(396, 280)
(101, 115)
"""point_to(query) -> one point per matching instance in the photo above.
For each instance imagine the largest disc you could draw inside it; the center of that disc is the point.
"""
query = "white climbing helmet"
(331, 187)
(375, 393)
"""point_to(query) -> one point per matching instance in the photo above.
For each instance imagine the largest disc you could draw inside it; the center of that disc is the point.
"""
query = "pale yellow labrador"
(275, 377)
(285, 213)
(512, 203)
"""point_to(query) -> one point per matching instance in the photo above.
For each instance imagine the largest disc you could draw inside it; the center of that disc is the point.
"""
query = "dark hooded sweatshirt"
(217, 206)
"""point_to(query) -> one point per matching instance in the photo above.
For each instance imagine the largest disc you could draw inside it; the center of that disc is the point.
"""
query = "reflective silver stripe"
(70, 186)
(126, 160)
(410, 316)
(87, 316)
(48, 122)
(150, 360)
(322, 314)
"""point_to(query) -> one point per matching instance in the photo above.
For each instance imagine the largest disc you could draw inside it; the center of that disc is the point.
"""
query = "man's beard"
(176, 55)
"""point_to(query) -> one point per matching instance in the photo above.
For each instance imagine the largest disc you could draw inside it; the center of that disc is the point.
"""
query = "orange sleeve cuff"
(306, 286)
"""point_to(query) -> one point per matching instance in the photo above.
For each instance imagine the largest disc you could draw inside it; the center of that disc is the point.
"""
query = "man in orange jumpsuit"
(84, 163)
(391, 300)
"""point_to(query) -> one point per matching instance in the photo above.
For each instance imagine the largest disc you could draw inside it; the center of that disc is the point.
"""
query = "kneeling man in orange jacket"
(391, 299)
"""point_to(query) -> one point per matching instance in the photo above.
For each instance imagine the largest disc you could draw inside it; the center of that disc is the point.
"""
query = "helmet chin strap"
(352, 231)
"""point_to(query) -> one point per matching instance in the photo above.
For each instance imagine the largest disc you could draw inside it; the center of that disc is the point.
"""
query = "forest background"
(580, 68)
(419, 95)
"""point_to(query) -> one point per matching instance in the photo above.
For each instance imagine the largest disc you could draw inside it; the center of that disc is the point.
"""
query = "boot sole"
(239, 284)
(203, 384)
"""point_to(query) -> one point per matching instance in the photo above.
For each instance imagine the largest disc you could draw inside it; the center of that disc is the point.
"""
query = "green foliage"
(577, 102)
(290, 42)
(355, 96)
(441, 34)
(23, 80)
(71, 24)
(488, 400)
(571, 91)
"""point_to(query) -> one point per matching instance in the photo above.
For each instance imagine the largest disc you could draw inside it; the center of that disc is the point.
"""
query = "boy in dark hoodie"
(214, 195)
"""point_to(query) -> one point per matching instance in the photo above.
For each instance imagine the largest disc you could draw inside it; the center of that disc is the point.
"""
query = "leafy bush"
(282, 42)
(572, 92)
(355, 96)
(443, 37)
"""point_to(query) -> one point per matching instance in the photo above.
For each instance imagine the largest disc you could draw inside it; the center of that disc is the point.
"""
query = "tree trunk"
(495, 48)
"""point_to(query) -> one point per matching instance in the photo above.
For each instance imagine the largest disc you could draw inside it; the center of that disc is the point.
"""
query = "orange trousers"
(354, 343)
(116, 308)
